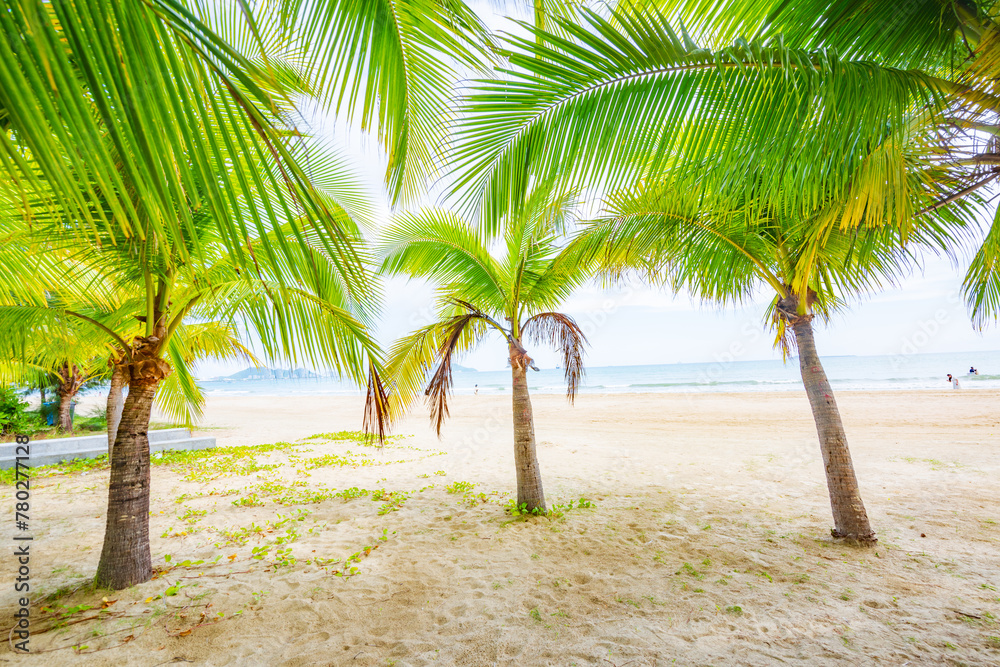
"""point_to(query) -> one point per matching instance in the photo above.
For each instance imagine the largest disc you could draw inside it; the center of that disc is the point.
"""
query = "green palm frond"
(392, 65)
(706, 247)
(440, 246)
(485, 284)
(628, 96)
(120, 113)
(726, 249)
(910, 34)
(982, 282)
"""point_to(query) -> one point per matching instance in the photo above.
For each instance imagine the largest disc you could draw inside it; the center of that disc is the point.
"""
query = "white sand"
(704, 503)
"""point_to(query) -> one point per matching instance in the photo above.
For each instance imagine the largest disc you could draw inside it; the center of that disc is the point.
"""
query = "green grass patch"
(203, 464)
(336, 460)
(459, 487)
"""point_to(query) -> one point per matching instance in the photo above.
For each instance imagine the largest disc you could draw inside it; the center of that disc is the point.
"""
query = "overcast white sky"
(640, 325)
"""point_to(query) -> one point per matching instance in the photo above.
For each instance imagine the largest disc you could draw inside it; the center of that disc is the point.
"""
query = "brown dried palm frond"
(440, 384)
(376, 422)
(563, 333)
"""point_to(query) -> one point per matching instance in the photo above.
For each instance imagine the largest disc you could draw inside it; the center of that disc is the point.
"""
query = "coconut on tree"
(513, 292)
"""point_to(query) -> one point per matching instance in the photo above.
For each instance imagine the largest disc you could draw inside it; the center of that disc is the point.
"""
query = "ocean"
(866, 373)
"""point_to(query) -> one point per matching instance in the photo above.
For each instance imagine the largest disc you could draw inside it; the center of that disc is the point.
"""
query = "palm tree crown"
(801, 89)
(513, 292)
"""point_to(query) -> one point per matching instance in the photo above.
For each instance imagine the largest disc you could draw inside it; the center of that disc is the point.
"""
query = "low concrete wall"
(58, 450)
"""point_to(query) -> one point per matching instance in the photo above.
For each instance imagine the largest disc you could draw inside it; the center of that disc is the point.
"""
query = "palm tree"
(726, 250)
(606, 101)
(135, 129)
(62, 339)
(62, 356)
(514, 293)
(321, 323)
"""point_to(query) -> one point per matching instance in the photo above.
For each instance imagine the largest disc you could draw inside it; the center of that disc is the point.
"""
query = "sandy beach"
(706, 543)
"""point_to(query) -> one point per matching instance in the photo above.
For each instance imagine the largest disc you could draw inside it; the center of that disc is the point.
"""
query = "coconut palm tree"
(319, 323)
(61, 337)
(802, 87)
(513, 292)
(72, 355)
(725, 250)
(63, 356)
(135, 129)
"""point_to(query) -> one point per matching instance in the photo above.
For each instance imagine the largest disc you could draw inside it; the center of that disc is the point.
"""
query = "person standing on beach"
(954, 381)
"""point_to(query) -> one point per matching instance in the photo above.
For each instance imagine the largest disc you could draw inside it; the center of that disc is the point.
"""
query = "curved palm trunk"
(529, 475)
(69, 385)
(849, 517)
(125, 557)
(115, 404)
(65, 418)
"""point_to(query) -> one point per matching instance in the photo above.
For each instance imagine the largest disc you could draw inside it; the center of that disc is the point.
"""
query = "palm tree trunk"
(849, 516)
(529, 475)
(69, 385)
(65, 419)
(115, 404)
(125, 558)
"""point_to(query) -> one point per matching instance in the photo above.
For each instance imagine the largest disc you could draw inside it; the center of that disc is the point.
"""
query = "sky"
(635, 324)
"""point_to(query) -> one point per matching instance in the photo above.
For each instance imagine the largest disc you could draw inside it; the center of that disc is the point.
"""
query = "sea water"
(861, 373)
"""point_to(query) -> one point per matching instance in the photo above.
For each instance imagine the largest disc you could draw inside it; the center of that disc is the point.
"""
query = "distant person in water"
(953, 381)
(477, 390)
(973, 371)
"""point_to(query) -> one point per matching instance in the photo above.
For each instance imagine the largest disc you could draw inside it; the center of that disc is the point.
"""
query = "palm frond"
(982, 281)
(393, 65)
(562, 332)
(920, 33)
(618, 101)
(438, 245)
(378, 409)
(440, 383)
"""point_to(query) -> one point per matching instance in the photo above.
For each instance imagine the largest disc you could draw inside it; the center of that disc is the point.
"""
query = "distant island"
(296, 374)
(270, 374)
